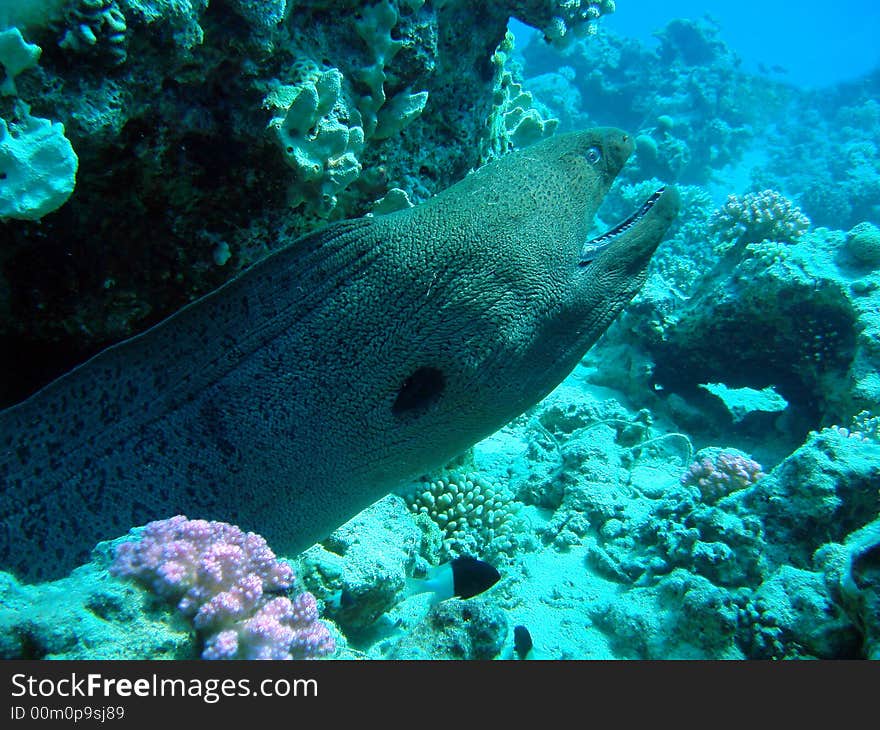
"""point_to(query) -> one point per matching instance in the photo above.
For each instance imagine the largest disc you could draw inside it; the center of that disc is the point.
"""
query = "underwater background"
(705, 484)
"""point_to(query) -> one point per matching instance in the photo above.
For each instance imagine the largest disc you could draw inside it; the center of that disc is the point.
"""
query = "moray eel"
(345, 364)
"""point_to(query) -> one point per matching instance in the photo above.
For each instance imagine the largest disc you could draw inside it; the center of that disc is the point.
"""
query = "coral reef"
(475, 517)
(175, 108)
(629, 562)
(821, 493)
(692, 107)
(731, 578)
(834, 164)
(755, 217)
(642, 627)
(717, 477)
(37, 167)
(563, 22)
(627, 513)
(787, 343)
(795, 319)
(366, 561)
(472, 629)
(224, 579)
(852, 575)
(863, 245)
(793, 616)
(87, 616)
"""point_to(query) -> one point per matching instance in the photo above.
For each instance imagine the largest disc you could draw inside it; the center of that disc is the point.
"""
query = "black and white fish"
(462, 577)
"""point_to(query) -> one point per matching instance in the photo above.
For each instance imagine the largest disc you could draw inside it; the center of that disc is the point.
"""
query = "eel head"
(527, 293)
(596, 278)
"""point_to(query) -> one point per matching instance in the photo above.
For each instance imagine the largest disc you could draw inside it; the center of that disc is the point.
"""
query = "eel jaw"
(595, 247)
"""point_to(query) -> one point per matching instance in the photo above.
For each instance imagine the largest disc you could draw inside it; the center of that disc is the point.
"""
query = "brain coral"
(863, 244)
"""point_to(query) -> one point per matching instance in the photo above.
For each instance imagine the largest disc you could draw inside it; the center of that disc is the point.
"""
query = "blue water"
(817, 42)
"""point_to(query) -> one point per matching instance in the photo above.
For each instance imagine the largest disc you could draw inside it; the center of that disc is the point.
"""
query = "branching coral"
(475, 517)
(223, 578)
(864, 427)
(755, 217)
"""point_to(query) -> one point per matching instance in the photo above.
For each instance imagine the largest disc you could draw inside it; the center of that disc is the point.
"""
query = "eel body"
(343, 365)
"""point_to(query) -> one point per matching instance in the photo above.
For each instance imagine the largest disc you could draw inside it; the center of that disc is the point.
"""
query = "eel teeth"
(594, 247)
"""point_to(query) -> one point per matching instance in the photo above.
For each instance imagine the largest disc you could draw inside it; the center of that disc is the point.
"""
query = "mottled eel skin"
(354, 359)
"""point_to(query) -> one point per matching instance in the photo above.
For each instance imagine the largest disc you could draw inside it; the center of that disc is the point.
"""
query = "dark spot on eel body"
(419, 392)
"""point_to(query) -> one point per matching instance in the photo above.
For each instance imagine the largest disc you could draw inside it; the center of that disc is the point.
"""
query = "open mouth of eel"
(594, 247)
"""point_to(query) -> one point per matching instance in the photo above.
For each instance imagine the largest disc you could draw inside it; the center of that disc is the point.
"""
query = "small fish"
(774, 69)
(522, 641)
(463, 577)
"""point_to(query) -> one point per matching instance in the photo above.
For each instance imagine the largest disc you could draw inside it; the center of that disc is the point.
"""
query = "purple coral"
(755, 217)
(280, 629)
(221, 576)
(717, 478)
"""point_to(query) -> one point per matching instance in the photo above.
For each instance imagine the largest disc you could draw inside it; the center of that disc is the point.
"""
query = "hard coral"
(475, 517)
(514, 121)
(38, 167)
(316, 139)
(96, 28)
(221, 576)
(718, 477)
(562, 21)
(755, 217)
(864, 427)
(863, 245)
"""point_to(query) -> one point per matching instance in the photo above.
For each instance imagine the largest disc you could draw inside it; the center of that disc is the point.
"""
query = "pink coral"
(717, 478)
(755, 217)
(280, 629)
(220, 576)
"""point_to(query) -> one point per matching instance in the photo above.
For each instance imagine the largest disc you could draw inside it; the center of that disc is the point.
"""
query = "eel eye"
(594, 154)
